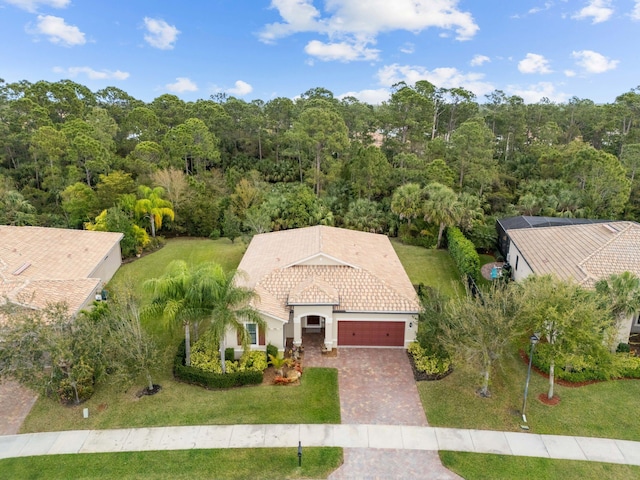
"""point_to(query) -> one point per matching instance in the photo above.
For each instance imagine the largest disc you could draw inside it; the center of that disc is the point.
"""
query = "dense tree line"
(70, 157)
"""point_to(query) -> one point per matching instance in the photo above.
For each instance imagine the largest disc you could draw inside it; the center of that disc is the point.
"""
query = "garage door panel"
(371, 333)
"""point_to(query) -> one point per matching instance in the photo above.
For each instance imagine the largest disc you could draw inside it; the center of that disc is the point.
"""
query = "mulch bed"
(424, 376)
(147, 391)
(544, 398)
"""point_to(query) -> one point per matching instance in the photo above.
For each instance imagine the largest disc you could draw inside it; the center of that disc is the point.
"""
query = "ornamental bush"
(214, 378)
(463, 252)
(429, 364)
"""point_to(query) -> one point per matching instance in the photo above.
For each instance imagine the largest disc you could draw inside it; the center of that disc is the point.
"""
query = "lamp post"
(533, 339)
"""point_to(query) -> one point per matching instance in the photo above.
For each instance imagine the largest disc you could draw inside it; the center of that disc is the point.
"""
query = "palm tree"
(407, 202)
(153, 206)
(228, 307)
(442, 207)
(623, 292)
(177, 298)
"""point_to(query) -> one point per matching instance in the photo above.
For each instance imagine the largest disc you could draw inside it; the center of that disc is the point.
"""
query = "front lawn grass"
(431, 267)
(475, 466)
(257, 463)
(600, 410)
(315, 400)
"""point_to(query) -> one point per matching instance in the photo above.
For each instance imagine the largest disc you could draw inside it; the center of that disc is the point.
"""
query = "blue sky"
(269, 48)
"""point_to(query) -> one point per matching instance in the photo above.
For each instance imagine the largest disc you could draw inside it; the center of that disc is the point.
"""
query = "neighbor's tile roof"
(40, 265)
(354, 271)
(586, 253)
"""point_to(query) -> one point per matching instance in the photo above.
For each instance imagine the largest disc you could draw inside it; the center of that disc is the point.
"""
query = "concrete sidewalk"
(347, 436)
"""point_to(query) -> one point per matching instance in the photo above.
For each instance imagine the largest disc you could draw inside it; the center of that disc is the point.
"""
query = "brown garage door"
(379, 334)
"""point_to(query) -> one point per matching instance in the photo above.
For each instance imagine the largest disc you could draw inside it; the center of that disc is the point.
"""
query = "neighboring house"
(41, 266)
(584, 253)
(348, 285)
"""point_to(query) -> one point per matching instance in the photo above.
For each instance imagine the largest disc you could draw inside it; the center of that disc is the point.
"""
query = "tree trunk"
(150, 383)
(551, 378)
(440, 231)
(152, 219)
(222, 359)
(187, 345)
(484, 391)
(318, 155)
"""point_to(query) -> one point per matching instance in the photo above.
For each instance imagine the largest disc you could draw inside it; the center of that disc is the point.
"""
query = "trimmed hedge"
(463, 252)
(212, 380)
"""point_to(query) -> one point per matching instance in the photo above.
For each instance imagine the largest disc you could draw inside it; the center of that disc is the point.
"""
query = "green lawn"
(600, 410)
(473, 466)
(191, 250)
(315, 400)
(258, 463)
(433, 268)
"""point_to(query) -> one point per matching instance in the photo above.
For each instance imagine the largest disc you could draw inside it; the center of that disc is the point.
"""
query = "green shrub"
(272, 350)
(211, 379)
(215, 234)
(623, 348)
(229, 354)
(429, 364)
(463, 252)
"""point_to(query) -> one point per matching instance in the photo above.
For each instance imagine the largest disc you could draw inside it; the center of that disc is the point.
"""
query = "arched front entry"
(313, 324)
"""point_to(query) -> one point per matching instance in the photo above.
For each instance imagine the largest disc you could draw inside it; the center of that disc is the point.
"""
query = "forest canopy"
(74, 158)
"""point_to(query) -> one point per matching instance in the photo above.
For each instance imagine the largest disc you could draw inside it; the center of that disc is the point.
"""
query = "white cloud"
(598, 10)
(342, 51)
(409, 47)
(160, 34)
(534, 93)
(444, 77)
(58, 31)
(357, 23)
(32, 5)
(372, 97)
(635, 13)
(534, 63)
(93, 74)
(241, 89)
(546, 6)
(594, 62)
(182, 84)
(478, 60)
(570, 73)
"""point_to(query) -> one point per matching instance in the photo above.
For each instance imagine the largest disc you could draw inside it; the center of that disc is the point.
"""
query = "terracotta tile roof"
(355, 271)
(41, 265)
(586, 253)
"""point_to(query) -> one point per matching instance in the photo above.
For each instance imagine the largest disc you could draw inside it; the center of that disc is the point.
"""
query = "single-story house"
(41, 266)
(503, 225)
(347, 285)
(584, 253)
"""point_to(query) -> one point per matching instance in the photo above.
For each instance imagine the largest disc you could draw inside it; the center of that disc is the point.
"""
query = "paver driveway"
(377, 387)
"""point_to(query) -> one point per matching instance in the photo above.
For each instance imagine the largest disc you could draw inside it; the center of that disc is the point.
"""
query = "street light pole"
(533, 339)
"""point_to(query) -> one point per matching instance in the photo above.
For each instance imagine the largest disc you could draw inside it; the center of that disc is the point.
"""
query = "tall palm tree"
(623, 293)
(229, 307)
(442, 207)
(177, 298)
(407, 202)
(152, 205)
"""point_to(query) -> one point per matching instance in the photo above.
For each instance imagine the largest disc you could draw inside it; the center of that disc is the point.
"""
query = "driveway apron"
(377, 387)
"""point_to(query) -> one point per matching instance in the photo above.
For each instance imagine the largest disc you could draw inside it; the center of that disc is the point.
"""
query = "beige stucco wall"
(515, 257)
(109, 265)
(273, 336)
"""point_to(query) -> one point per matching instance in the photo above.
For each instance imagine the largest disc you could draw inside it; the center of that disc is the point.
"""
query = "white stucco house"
(40, 266)
(585, 253)
(349, 286)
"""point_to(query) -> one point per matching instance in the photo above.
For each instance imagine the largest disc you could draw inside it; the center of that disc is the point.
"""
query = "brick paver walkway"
(15, 403)
(377, 387)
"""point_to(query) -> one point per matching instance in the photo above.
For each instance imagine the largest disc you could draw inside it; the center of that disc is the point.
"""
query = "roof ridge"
(615, 237)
